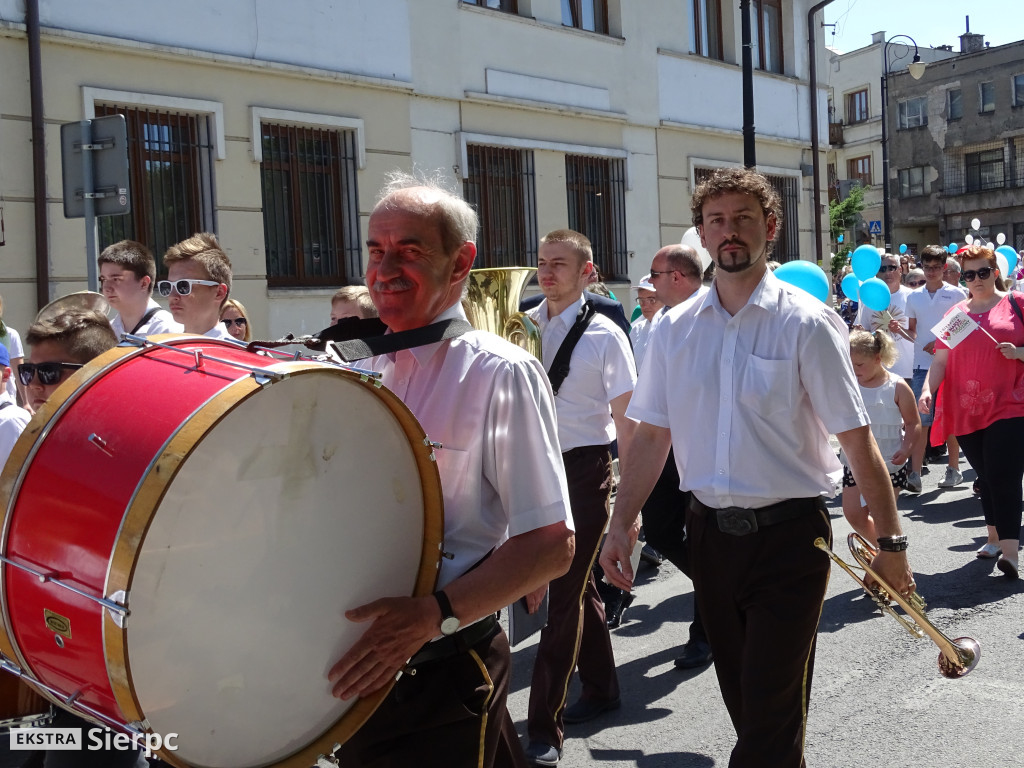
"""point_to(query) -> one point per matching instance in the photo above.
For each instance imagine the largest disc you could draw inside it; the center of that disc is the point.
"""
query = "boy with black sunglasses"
(197, 285)
(60, 345)
(13, 419)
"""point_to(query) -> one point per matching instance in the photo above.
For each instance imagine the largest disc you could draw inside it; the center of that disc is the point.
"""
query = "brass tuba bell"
(492, 304)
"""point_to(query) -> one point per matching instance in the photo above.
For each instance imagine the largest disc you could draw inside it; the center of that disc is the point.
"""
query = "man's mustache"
(390, 286)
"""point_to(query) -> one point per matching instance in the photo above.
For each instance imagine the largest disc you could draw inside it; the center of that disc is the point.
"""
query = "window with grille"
(500, 184)
(913, 113)
(509, 6)
(857, 106)
(766, 35)
(956, 104)
(310, 205)
(913, 182)
(859, 168)
(596, 188)
(984, 170)
(591, 15)
(170, 163)
(987, 97)
(706, 28)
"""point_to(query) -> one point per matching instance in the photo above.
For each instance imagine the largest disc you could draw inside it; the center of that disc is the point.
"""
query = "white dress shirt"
(751, 399)
(601, 368)
(928, 309)
(639, 333)
(220, 331)
(13, 420)
(489, 404)
(162, 321)
(14, 349)
(872, 321)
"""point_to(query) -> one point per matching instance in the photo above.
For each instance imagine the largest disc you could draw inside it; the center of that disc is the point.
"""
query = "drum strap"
(360, 349)
(145, 319)
(4, 404)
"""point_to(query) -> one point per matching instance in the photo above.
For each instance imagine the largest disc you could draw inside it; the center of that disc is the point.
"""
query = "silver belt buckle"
(736, 521)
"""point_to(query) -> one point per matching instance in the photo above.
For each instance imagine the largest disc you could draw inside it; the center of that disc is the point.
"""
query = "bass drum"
(185, 524)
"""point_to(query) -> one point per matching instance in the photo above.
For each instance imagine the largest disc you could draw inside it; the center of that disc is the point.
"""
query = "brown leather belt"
(460, 642)
(740, 521)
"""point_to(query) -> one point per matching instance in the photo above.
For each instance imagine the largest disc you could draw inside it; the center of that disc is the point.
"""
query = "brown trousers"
(577, 631)
(761, 597)
(451, 713)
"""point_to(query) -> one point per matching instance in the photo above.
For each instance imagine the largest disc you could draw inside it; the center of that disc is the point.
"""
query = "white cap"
(645, 284)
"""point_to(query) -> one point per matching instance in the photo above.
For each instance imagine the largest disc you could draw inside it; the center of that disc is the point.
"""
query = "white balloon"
(1001, 238)
(1004, 265)
(975, 223)
(969, 239)
(692, 238)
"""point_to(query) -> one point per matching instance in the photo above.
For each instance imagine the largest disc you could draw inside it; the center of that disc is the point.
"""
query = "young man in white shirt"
(198, 281)
(733, 382)
(591, 403)
(925, 308)
(13, 419)
(127, 279)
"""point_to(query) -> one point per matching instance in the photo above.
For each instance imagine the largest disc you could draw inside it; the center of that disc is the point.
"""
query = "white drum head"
(303, 502)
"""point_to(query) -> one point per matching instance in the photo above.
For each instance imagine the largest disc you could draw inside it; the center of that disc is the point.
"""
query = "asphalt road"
(878, 698)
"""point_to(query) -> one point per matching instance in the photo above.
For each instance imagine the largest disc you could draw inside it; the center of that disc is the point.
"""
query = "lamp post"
(916, 69)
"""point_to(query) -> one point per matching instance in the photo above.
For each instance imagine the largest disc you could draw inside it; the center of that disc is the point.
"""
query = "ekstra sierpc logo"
(93, 739)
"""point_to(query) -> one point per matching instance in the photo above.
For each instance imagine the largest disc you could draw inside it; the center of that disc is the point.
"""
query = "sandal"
(988, 551)
(1008, 567)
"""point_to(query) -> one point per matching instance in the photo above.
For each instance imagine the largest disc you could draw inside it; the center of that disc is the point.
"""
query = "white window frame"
(921, 113)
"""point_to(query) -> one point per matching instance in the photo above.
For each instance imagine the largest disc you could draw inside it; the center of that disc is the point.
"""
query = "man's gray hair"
(456, 219)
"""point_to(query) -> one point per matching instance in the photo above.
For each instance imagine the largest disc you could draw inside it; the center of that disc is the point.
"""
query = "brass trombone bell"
(956, 657)
(492, 304)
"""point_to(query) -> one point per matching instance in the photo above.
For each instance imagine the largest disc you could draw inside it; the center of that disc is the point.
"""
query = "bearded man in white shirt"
(746, 385)
(508, 530)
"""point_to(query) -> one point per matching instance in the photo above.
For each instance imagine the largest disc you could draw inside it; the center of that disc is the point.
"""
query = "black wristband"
(892, 543)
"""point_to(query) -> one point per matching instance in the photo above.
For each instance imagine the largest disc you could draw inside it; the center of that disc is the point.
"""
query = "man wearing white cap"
(649, 303)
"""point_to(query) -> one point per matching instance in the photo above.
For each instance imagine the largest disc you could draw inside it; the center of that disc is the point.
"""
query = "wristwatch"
(892, 543)
(449, 622)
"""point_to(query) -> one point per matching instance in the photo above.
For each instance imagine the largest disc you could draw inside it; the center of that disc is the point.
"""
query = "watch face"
(450, 626)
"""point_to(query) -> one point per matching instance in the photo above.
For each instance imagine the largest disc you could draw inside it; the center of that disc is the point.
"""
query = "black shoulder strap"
(4, 404)
(145, 319)
(1016, 306)
(360, 349)
(560, 365)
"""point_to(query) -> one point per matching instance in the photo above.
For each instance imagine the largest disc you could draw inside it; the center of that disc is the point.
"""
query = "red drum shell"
(96, 469)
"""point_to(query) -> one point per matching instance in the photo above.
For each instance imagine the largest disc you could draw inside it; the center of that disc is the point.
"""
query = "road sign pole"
(89, 187)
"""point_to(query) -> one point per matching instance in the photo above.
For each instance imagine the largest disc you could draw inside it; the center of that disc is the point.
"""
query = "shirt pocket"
(767, 386)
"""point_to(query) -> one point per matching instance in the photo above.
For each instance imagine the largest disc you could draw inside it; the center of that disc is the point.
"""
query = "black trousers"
(664, 515)
(577, 631)
(450, 713)
(997, 455)
(761, 597)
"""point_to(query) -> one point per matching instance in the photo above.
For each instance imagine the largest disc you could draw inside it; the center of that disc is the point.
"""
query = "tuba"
(492, 304)
(956, 657)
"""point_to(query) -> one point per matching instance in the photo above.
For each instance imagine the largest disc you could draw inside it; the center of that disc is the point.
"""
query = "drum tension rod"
(118, 611)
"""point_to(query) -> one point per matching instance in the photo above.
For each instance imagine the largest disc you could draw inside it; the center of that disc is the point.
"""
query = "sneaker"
(913, 483)
(952, 479)
(925, 470)
(542, 754)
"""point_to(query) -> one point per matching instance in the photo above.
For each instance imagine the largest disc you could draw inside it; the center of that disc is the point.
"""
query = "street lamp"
(916, 69)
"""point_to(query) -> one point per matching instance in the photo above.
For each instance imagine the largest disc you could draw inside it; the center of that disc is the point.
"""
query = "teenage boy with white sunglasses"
(198, 281)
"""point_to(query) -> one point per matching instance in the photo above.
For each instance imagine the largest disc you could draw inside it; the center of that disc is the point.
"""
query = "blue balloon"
(1011, 259)
(807, 276)
(841, 238)
(952, 248)
(866, 261)
(903, 247)
(875, 294)
(850, 286)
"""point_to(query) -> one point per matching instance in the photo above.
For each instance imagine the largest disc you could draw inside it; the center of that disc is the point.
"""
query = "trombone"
(956, 657)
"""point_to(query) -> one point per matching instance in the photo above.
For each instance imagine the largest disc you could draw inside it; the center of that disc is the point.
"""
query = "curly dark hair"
(722, 181)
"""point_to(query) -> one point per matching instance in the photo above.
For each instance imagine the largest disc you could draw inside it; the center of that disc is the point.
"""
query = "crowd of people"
(527, 461)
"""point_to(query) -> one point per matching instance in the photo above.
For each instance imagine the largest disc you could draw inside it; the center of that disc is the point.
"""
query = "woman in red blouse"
(983, 400)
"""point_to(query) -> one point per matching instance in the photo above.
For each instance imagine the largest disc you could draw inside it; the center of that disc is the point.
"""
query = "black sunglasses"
(239, 321)
(887, 268)
(983, 273)
(49, 373)
(916, 284)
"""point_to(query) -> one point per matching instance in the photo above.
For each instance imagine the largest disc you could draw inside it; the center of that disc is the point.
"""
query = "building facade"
(957, 147)
(274, 126)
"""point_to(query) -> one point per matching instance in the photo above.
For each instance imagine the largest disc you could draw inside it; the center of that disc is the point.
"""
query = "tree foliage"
(842, 214)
